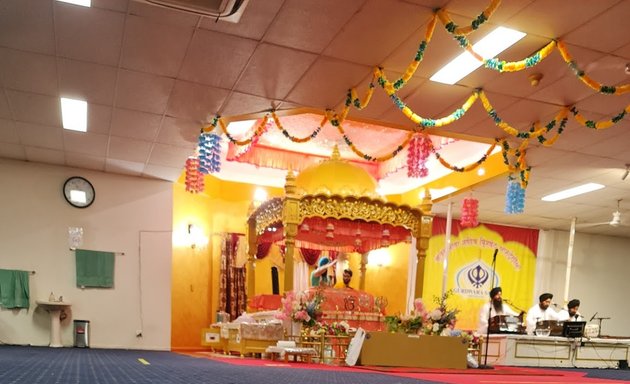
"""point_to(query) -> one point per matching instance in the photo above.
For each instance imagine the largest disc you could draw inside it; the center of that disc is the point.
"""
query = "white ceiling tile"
(162, 15)
(154, 48)
(603, 30)
(143, 91)
(114, 5)
(201, 63)
(240, 103)
(183, 133)
(12, 151)
(99, 118)
(326, 83)
(34, 108)
(8, 132)
(372, 34)
(44, 155)
(253, 23)
(26, 71)
(42, 136)
(310, 25)
(89, 34)
(196, 102)
(162, 172)
(27, 25)
(5, 112)
(86, 81)
(134, 124)
(124, 167)
(129, 149)
(85, 143)
(85, 161)
(169, 156)
(273, 70)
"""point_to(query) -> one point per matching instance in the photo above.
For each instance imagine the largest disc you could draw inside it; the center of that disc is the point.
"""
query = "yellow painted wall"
(221, 208)
(390, 280)
(264, 285)
(191, 270)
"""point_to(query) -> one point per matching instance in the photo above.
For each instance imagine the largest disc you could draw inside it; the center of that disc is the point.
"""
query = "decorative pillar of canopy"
(290, 221)
(362, 268)
(252, 242)
(422, 233)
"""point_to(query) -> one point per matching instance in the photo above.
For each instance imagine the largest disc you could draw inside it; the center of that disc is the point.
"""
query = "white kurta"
(564, 316)
(535, 314)
(483, 315)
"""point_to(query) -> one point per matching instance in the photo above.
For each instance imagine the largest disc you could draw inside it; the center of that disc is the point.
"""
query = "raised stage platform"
(554, 351)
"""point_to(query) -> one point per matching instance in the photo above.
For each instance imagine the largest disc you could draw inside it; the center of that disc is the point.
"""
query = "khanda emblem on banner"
(478, 276)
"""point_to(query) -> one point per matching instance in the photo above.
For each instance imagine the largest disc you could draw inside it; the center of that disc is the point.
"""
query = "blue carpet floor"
(41, 365)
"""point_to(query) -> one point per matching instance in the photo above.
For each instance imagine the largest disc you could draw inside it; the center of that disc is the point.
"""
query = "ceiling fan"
(614, 222)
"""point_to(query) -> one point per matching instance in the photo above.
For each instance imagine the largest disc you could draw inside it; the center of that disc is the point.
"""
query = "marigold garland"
(469, 167)
(599, 124)
(298, 139)
(336, 122)
(605, 89)
(476, 23)
(262, 127)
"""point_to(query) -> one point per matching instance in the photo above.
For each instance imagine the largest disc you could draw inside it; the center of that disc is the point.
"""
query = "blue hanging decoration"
(209, 153)
(515, 197)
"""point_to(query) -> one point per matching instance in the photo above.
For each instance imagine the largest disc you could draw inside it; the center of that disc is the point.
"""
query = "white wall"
(34, 221)
(600, 276)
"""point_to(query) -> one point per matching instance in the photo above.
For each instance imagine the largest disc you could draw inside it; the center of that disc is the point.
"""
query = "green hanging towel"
(94, 268)
(14, 289)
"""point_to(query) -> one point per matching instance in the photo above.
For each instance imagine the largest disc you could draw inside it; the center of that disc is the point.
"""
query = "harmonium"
(506, 324)
(554, 327)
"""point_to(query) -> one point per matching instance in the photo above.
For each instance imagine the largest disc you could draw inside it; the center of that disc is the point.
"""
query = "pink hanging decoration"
(420, 147)
(470, 212)
(194, 178)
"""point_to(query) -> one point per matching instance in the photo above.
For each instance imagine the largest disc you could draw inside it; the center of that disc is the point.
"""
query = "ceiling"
(153, 77)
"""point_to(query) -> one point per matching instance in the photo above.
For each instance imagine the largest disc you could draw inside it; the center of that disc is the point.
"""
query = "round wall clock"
(79, 192)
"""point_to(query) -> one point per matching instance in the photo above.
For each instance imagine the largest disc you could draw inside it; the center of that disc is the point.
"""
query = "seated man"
(539, 312)
(493, 307)
(319, 277)
(571, 313)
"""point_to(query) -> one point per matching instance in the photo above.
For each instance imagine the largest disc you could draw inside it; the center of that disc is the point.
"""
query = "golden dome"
(335, 176)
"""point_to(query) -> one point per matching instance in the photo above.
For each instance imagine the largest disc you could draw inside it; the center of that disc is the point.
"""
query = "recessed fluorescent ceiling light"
(74, 114)
(580, 189)
(494, 43)
(85, 3)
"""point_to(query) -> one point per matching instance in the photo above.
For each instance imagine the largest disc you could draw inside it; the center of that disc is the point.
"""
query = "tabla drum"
(554, 327)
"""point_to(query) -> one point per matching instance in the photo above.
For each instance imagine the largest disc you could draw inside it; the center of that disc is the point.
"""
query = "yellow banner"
(469, 269)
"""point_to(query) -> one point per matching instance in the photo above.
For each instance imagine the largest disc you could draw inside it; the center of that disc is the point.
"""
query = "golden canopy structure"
(334, 205)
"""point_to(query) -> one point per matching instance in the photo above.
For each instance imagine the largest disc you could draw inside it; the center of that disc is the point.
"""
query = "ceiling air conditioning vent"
(225, 10)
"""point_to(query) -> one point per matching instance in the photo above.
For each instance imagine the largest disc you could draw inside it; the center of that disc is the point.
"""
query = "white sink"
(54, 309)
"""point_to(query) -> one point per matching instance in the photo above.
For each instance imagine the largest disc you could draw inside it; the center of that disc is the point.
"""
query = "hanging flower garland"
(336, 122)
(209, 146)
(469, 167)
(599, 124)
(605, 89)
(476, 23)
(419, 120)
(420, 149)
(508, 128)
(549, 142)
(298, 139)
(470, 212)
(520, 165)
(194, 179)
(262, 127)
(353, 99)
(514, 197)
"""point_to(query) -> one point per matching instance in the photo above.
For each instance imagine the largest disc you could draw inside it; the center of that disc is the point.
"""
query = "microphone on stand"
(593, 317)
